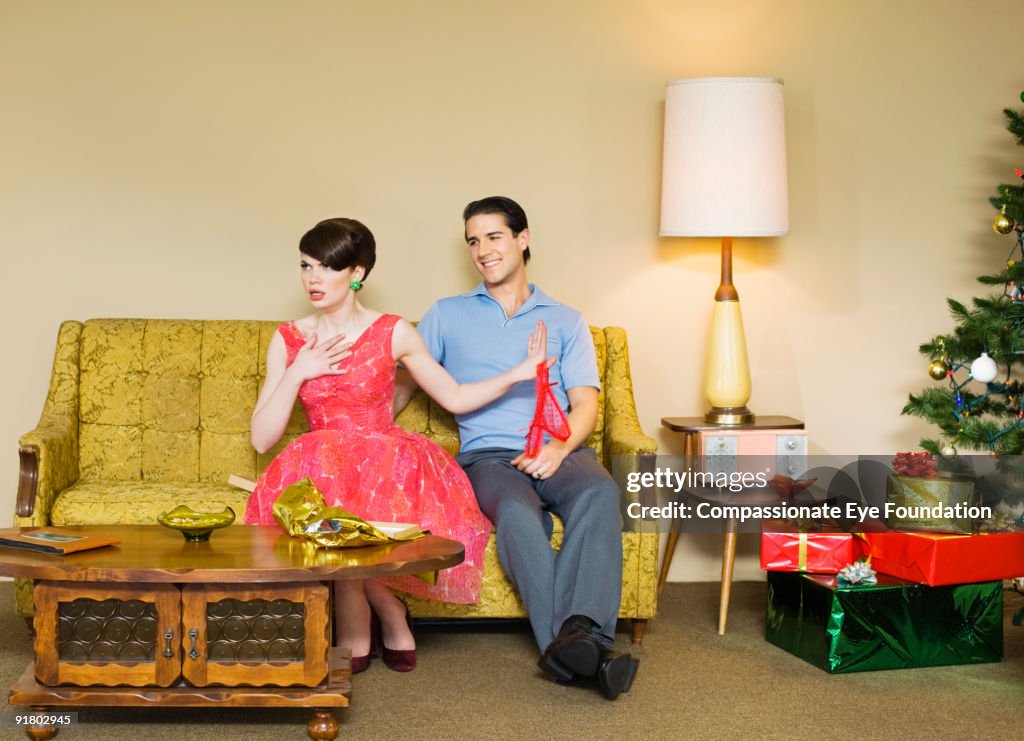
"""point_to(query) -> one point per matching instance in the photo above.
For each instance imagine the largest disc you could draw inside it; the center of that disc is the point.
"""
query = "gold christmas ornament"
(938, 369)
(1002, 224)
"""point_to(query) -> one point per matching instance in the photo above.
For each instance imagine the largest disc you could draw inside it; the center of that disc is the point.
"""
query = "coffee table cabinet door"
(107, 634)
(258, 635)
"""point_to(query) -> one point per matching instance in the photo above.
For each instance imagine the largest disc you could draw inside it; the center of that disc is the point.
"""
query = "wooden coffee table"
(242, 620)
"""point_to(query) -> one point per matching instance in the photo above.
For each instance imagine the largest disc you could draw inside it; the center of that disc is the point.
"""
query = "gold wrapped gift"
(916, 494)
(301, 511)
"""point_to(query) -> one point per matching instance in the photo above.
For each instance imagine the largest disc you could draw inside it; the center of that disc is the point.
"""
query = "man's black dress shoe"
(615, 673)
(575, 650)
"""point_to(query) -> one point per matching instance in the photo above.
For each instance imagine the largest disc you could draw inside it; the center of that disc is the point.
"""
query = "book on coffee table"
(52, 540)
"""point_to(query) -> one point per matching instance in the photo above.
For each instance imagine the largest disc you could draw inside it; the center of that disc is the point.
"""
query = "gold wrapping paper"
(301, 511)
(945, 489)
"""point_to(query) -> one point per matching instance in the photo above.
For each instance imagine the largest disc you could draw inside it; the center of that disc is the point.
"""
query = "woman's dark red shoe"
(362, 663)
(398, 659)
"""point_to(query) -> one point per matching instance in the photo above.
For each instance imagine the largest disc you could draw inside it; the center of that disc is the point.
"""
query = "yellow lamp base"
(727, 375)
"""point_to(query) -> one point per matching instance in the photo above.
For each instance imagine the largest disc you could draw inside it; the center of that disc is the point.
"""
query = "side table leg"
(41, 732)
(323, 726)
(728, 557)
(666, 561)
(689, 456)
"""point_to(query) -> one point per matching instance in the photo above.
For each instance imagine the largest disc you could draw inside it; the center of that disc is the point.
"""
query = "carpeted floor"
(481, 682)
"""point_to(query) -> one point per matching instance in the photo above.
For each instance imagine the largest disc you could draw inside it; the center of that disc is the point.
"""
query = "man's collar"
(537, 296)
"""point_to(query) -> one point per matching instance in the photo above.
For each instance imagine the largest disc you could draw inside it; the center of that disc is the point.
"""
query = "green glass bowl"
(195, 526)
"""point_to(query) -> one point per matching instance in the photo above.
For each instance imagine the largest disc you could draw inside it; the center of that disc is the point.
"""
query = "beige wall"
(162, 159)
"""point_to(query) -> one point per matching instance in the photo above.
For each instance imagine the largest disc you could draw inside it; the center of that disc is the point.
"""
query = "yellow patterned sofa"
(145, 414)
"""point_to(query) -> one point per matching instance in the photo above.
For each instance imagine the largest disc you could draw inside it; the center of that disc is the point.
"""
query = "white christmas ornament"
(984, 369)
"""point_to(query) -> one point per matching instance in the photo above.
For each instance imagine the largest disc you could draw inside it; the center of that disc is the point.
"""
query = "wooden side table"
(782, 435)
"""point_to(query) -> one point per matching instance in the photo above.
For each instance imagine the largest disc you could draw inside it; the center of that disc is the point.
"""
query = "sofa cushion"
(169, 400)
(139, 502)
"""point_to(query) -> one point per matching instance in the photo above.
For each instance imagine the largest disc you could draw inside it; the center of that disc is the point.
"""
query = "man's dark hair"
(515, 217)
(341, 243)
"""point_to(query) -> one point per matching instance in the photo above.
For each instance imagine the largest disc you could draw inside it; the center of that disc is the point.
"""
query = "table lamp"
(724, 175)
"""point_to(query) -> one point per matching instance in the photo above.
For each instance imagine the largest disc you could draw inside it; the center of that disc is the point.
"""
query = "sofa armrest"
(622, 432)
(631, 453)
(627, 449)
(49, 453)
(49, 464)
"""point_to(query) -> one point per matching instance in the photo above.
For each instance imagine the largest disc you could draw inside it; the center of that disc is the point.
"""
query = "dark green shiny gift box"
(894, 624)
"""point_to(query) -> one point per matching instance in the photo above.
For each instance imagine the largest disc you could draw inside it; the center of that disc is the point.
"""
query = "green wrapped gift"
(931, 503)
(893, 624)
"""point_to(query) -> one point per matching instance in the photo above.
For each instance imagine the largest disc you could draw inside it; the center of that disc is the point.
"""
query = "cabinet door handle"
(168, 637)
(791, 444)
(194, 653)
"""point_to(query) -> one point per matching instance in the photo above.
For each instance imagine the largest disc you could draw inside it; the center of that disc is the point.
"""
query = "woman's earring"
(355, 285)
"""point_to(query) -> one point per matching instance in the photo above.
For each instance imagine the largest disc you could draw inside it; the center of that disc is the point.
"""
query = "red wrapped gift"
(937, 559)
(785, 548)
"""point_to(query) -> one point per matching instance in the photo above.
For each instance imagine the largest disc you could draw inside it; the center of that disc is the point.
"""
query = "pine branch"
(957, 310)
(1015, 124)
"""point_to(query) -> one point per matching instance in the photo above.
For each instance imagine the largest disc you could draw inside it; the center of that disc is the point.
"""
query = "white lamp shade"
(724, 168)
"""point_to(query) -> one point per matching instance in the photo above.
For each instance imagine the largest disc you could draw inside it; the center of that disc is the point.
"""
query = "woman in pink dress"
(341, 362)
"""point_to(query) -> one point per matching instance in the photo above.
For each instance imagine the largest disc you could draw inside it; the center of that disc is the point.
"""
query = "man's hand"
(548, 460)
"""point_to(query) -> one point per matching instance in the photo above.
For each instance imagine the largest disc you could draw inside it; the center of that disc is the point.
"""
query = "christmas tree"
(980, 405)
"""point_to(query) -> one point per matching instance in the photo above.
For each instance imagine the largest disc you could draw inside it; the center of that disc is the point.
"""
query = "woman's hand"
(313, 360)
(536, 352)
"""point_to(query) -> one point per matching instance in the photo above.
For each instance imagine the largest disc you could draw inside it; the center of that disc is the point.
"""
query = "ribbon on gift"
(920, 465)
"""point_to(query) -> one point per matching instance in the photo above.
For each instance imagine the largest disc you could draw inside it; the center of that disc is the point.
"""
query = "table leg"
(689, 456)
(639, 627)
(728, 557)
(323, 726)
(666, 561)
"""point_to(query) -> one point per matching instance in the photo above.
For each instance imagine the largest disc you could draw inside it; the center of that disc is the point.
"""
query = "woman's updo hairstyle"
(341, 243)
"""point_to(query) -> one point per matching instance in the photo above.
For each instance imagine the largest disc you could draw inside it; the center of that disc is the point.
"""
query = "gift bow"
(920, 465)
(858, 573)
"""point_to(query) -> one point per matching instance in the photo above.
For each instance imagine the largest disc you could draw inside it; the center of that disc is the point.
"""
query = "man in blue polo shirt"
(572, 596)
